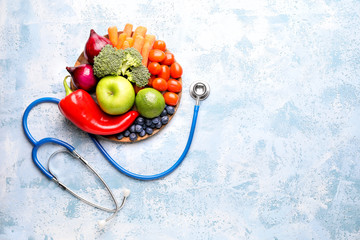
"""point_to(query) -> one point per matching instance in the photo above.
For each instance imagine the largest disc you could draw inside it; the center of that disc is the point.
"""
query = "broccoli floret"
(139, 75)
(131, 58)
(108, 61)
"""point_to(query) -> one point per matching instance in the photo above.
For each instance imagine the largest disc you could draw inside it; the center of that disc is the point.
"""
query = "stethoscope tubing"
(38, 144)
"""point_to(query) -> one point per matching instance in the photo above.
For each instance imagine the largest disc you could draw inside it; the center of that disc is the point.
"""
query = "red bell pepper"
(81, 109)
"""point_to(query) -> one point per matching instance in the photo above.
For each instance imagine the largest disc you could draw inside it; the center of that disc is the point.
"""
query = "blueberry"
(153, 125)
(126, 133)
(132, 128)
(158, 125)
(142, 133)
(138, 128)
(149, 130)
(140, 120)
(164, 120)
(170, 110)
(148, 122)
(120, 136)
(163, 113)
(156, 120)
(133, 136)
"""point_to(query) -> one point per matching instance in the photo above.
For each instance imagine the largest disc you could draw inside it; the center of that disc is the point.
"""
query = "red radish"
(83, 77)
(94, 45)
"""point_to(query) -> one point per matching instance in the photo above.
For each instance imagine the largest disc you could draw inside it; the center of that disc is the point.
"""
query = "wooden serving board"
(82, 60)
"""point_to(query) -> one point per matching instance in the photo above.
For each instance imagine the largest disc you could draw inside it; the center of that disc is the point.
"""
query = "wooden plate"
(82, 60)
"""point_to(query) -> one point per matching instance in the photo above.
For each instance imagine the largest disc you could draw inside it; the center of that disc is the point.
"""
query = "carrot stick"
(113, 35)
(125, 45)
(150, 38)
(139, 42)
(141, 31)
(128, 29)
(121, 40)
(130, 41)
(145, 53)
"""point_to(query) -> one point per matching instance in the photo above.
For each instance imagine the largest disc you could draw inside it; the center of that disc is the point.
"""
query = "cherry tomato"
(165, 72)
(156, 55)
(159, 44)
(159, 84)
(176, 70)
(154, 68)
(174, 86)
(151, 80)
(169, 59)
(171, 98)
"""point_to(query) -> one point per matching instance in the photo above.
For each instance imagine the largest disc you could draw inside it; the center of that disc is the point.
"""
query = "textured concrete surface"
(276, 152)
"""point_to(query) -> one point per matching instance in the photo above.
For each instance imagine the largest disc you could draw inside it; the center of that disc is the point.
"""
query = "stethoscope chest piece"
(199, 90)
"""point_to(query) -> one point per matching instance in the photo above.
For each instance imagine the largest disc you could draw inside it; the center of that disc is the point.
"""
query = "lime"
(149, 102)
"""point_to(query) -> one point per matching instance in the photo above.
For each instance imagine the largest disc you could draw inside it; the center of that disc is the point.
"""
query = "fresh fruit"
(169, 59)
(165, 72)
(149, 102)
(170, 110)
(171, 98)
(115, 95)
(83, 77)
(159, 44)
(160, 84)
(164, 119)
(154, 68)
(176, 70)
(156, 55)
(94, 45)
(174, 86)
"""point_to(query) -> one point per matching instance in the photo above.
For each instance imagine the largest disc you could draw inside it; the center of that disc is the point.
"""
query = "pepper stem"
(67, 88)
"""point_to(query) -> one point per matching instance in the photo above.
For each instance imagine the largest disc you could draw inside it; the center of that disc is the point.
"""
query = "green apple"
(115, 95)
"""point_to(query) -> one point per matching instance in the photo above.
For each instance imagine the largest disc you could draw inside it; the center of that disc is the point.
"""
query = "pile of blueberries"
(143, 126)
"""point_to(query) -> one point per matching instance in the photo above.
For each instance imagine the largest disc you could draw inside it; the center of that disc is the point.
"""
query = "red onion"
(83, 77)
(94, 45)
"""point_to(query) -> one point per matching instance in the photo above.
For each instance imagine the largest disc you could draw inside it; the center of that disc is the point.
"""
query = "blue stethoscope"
(198, 90)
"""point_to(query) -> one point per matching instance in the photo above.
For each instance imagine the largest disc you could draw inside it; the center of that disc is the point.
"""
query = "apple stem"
(67, 88)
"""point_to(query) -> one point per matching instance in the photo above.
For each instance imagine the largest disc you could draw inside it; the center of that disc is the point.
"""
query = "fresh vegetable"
(174, 86)
(159, 84)
(150, 38)
(145, 52)
(83, 77)
(156, 55)
(80, 108)
(165, 72)
(130, 40)
(171, 98)
(159, 44)
(94, 45)
(131, 58)
(121, 40)
(140, 30)
(113, 35)
(128, 29)
(139, 42)
(176, 70)
(125, 45)
(154, 68)
(108, 62)
(139, 75)
(169, 59)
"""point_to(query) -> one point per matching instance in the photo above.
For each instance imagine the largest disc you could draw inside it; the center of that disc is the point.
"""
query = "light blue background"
(276, 152)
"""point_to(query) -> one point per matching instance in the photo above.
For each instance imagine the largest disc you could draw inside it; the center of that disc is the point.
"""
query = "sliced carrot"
(113, 35)
(130, 41)
(128, 29)
(125, 45)
(145, 53)
(121, 40)
(138, 43)
(140, 30)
